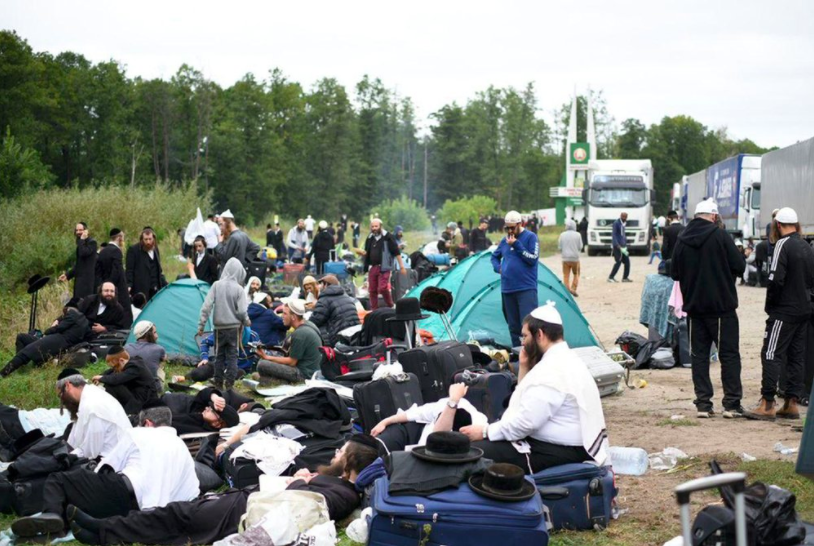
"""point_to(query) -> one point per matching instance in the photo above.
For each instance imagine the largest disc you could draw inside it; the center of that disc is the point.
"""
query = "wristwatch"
(485, 432)
(452, 404)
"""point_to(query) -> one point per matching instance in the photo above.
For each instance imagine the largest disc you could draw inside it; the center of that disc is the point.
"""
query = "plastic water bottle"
(629, 461)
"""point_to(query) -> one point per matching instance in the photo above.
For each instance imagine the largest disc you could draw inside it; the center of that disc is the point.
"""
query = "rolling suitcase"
(376, 400)
(436, 365)
(696, 534)
(488, 392)
(402, 283)
(579, 496)
(607, 373)
(335, 267)
(291, 273)
(257, 269)
(681, 351)
(454, 516)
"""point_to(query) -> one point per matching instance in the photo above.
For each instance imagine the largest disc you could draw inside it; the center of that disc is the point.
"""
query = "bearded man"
(144, 273)
(103, 311)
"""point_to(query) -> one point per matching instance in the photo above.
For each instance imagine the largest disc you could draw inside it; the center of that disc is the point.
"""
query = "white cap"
(297, 306)
(707, 206)
(227, 214)
(738, 242)
(323, 224)
(513, 217)
(786, 215)
(309, 216)
(142, 328)
(547, 313)
(259, 297)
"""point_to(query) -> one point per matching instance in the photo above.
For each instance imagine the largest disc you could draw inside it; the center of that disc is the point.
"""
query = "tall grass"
(38, 234)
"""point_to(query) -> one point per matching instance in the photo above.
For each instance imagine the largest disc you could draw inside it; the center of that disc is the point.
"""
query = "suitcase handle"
(553, 493)
(736, 480)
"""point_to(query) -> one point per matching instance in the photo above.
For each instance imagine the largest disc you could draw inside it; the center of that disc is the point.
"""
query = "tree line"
(271, 145)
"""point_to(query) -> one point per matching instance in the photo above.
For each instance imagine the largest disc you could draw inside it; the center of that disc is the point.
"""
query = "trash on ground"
(745, 457)
(783, 450)
(667, 459)
(676, 417)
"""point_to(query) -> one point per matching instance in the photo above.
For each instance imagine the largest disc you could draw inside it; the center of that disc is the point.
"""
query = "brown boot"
(765, 411)
(790, 410)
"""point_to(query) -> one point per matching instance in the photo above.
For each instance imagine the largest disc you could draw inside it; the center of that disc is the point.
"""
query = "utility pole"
(425, 174)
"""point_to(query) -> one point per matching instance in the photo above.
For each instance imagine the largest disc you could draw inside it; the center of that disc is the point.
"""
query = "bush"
(38, 234)
(20, 168)
(468, 209)
(403, 212)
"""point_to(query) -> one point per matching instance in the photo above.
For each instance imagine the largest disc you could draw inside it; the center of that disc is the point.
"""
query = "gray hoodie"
(570, 242)
(228, 298)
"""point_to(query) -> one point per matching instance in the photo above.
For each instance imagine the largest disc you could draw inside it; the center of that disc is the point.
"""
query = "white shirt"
(211, 233)
(198, 258)
(544, 414)
(428, 414)
(136, 312)
(100, 424)
(158, 464)
(309, 224)
(151, 254)
(102, 308)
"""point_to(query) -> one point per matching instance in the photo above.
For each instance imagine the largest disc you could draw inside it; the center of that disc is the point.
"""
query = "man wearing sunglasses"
(515, 260)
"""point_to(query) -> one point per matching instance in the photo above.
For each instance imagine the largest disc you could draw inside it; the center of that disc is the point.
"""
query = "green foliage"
(20, 168)
(402, 212)
(468, 209)
(39, 226)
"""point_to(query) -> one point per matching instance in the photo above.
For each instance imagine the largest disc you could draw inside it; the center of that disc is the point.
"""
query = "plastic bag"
(630, 343)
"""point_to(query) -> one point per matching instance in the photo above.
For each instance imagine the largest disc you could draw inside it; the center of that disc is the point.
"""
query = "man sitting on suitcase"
(554, 416)
(411, 427)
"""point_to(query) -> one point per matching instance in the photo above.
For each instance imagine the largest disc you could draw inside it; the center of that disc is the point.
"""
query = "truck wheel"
(592, 251)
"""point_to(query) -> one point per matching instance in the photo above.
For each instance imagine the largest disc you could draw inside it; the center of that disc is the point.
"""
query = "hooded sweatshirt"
(570, 242)
(791, 280)
(228, 299)
(706, 263)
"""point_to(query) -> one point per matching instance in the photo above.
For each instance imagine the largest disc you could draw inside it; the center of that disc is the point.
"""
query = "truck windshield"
(618, 197)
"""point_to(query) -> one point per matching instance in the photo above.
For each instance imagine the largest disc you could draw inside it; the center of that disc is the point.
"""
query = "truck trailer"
(788, 181)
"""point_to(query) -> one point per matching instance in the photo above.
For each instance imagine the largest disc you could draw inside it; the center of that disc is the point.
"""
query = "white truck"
(616, 186)
(788, 181)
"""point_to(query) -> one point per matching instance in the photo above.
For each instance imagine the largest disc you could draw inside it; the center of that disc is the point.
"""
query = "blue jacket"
(619, 240)
(268, 324)
(244, 362)
(517, 264)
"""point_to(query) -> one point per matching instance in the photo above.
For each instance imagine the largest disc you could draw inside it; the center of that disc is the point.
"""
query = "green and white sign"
(580, 153)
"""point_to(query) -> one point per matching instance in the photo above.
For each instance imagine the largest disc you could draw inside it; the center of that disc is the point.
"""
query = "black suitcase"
(436, 365)
(376, 400)
(489, 392)
(681, 349)
(403, 283)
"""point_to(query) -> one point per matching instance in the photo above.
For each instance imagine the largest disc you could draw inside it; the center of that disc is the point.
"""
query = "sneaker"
(626, 280)
(611, 279)
(701, 414)
(733, 413)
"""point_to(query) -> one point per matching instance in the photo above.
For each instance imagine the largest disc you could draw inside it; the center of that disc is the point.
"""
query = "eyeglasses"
(510, 228)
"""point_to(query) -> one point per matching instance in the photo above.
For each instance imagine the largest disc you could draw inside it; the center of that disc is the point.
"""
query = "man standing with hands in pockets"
(620, 252)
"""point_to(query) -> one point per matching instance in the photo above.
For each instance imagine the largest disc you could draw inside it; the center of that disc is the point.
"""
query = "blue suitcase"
(335, 267)
(454, 517)
(578, 495)
(489, 392)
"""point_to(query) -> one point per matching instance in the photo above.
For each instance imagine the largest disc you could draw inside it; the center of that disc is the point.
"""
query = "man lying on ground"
(211, 518)
(149, 468)
(208, 411)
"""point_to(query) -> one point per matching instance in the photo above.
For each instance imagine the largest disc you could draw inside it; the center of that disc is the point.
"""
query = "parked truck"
(695, 188)
(616, 186)
(788, 181)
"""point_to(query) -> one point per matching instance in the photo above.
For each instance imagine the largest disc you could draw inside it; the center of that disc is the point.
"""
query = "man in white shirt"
(554, 416)
(309, 226)
(100, 421)
(297, 241)
(411, 427)
(211, 231)
(149, 468)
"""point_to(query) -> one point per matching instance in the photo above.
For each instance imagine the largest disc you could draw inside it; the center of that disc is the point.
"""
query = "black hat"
(25, 441)
(448, 448)
(365, 440)
(115, 232)
(503, 482)
(479, 357)
(437, 300)
(229, 415)
(36, 282)
(73, 302)
(408, 309)
(67, 372)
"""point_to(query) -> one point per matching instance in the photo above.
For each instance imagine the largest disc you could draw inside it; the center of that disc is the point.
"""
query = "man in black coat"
(671, 234)
(706, 263)
(65, 332)
(128, 380)
(202, 265)
(334, 310)
(144, 273)
(478, 241)
(208, 411)
(103, 310)
(84, 269)
(109, 268)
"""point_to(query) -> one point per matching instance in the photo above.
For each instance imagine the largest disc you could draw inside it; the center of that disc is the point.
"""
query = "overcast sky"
(747, 65)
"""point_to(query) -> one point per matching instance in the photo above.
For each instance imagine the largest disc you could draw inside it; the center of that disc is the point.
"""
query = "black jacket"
(112, 318)
(478, 240)
(137, 379)
(207, 270)
(187, 411)
(73, 327)
(333, 312)
(321, 246)
(316, 410)
(387, 239)
(143, 274)
(84, 269)
(109, 268)
(671, 234)
(791, 280)
(706, 263)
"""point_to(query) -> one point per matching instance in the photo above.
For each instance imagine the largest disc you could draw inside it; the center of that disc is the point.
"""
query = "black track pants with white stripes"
(784, 344)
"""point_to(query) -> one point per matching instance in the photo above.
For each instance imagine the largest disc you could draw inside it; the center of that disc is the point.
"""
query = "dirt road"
(639, 417)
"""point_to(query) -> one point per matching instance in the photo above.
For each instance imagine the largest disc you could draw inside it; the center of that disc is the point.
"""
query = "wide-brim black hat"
(513, 489)
(448, 448)
(407, 309)
(36, 282)
(479, 357)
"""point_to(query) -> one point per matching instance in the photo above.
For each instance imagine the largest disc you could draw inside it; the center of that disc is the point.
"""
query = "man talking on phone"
(515, 260)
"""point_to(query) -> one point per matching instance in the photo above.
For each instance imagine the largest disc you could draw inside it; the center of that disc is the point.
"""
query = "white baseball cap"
(786, 215)
(227, 214)
(548, 313)
(706, 206)
(142, 328)
(513, 217)
(323, 224)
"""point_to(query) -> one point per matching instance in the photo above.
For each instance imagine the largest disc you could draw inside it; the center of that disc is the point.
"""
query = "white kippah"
(547, 313)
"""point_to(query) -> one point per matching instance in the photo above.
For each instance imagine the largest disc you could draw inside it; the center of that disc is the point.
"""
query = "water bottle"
(629, 461)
